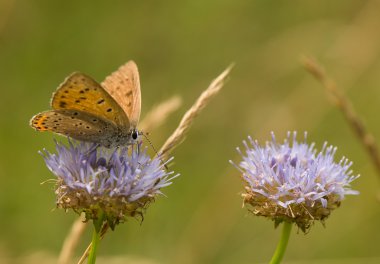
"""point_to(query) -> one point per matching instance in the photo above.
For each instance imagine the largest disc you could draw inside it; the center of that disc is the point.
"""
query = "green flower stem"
(281, 247)
(98, 223)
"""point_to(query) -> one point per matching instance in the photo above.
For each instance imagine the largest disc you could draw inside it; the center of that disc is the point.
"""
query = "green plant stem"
(98, 223)
(281, 247)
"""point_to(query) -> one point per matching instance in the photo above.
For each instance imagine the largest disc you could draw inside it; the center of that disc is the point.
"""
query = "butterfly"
(106, 114)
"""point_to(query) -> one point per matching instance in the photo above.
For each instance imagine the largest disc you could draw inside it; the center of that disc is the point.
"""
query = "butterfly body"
(105, 114)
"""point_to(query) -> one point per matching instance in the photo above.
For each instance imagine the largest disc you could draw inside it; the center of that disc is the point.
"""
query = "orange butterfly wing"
(80, 92)
(124, 86)
(76, 124)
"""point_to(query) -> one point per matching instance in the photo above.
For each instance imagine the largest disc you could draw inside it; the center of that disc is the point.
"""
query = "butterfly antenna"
(154, 149)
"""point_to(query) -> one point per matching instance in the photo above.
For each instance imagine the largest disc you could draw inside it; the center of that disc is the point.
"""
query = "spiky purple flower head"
(120, 182)
(292, 181)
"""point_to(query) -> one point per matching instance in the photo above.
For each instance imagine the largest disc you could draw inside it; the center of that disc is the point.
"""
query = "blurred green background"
(180, 46)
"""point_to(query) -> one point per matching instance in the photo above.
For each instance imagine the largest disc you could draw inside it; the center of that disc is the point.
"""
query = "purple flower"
(121, 182)
(292, 181)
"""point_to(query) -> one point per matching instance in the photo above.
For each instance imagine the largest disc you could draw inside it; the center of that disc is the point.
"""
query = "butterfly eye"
(135, 134)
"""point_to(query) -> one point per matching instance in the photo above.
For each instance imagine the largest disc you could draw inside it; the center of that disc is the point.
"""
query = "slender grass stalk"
(98, 223)
(281, 247)
(158, 114)
(344, 104)
(184, 126)
(72, 240)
